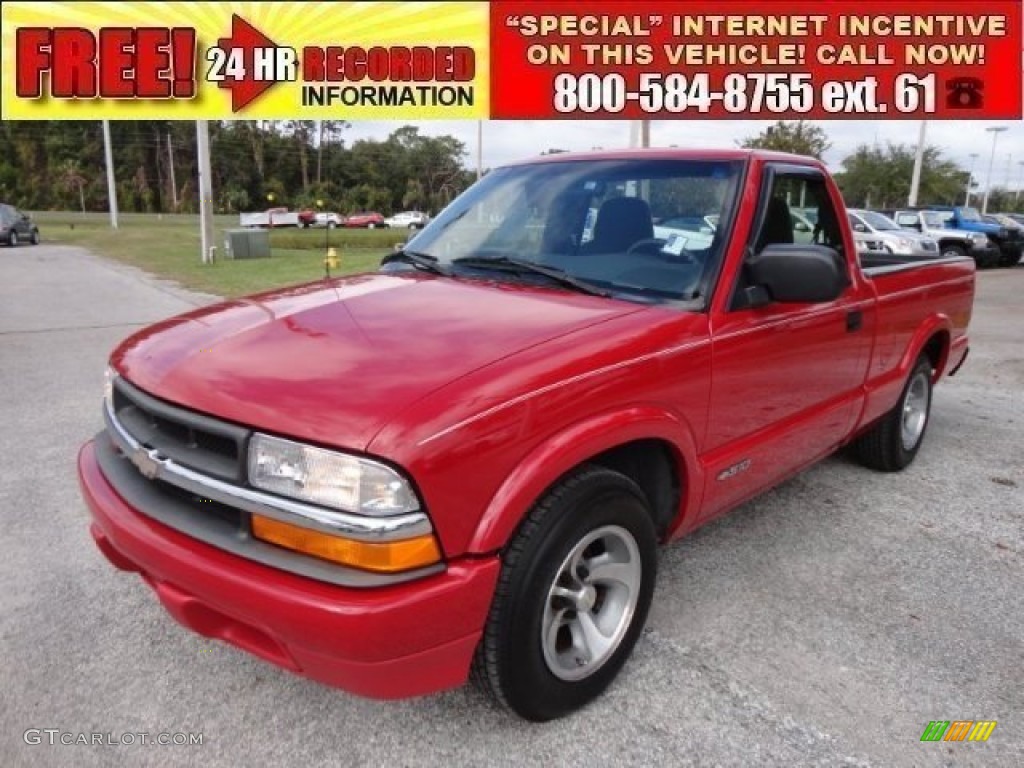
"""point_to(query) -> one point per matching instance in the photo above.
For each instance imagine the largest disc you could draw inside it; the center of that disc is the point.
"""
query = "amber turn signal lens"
(379, 556)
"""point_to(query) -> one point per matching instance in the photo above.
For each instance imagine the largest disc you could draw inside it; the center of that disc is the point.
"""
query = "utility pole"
(915, 179)
(995, 131)
(639, 133)
(970, 178)
(1016, 197)
(205, 191)
(170, 161)
(108, 154)
(479, 149)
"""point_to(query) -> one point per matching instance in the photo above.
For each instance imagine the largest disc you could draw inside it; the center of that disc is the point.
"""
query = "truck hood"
(332, 362)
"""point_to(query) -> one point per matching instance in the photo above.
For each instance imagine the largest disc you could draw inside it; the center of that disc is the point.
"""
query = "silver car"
(894, 238)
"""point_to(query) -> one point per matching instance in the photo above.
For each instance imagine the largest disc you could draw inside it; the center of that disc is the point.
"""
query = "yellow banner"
(273, 60)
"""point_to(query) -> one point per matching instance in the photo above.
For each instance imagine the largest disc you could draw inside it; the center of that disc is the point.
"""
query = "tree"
(796, 136)
(71, 178)
(879, 177)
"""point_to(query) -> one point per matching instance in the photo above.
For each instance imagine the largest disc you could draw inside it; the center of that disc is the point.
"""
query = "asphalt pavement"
(825, 623)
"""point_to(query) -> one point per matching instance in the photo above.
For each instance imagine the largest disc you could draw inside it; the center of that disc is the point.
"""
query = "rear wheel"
(1009, 259)
(893, 442)
(371, 225)
(575, 587)
(35, 237)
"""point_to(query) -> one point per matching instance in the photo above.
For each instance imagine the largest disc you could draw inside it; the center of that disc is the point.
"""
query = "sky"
(505, 141)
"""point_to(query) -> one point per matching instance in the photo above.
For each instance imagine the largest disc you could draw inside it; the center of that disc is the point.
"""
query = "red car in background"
(367, 219)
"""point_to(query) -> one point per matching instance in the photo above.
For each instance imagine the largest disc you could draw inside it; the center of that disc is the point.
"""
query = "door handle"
(854, 320)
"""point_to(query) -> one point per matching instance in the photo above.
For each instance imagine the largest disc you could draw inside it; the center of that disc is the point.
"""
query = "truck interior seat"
(621, 222)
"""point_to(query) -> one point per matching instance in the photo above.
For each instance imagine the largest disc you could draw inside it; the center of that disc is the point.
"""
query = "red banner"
(880, 59)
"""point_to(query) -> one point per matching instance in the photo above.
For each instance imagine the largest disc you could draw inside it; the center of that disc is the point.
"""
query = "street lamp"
(970, 178)
(995, 130)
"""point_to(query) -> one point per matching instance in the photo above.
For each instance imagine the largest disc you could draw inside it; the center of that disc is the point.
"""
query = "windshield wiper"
(423, 261)
(521, 265)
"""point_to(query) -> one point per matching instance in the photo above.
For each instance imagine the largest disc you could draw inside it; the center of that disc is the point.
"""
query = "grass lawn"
(168, 246)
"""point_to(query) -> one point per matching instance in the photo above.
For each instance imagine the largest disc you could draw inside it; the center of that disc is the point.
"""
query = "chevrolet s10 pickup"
(464, 462)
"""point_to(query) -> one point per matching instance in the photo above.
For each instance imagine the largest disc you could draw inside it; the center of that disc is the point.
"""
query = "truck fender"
(565, 450)
(933, 324)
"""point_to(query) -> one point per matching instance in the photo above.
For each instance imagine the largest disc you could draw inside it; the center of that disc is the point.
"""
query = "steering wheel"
(655, 244)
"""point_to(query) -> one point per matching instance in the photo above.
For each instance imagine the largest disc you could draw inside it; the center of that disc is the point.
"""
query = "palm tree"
(70, 177)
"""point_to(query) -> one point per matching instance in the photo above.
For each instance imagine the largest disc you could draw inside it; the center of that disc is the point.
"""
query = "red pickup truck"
(466, 460)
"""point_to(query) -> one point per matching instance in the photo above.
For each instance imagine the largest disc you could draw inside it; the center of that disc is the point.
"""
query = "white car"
(408, 220)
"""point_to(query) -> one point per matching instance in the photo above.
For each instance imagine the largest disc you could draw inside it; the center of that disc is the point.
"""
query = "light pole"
(1016, 197)
(970, 178)
(995, 130)
(915, 177)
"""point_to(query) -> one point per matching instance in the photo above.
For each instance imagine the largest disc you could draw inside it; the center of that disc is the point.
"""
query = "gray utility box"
(247, 243)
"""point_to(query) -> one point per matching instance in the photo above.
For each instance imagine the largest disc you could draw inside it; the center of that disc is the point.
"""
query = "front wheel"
(950, 251)
(12, 239)
(893, 442)
(573, 595)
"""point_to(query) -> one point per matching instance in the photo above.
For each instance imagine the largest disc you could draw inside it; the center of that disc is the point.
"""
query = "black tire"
(12, 239)
(950, 249)
(371, 225)
(1009, 259)
(331, 225)
(34, 239)
(885, 446)
(511, 662)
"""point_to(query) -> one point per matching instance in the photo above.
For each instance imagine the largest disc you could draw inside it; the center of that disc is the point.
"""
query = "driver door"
(786, 378)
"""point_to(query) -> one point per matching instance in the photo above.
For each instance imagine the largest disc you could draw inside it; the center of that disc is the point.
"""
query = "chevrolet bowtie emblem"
(147, 462)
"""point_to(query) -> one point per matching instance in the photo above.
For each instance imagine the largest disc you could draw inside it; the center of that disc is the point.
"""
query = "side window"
(800, 210)
(906, 219)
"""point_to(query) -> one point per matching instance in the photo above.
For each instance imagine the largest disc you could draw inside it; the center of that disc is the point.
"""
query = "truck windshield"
(969, 214)
(636, 229)
(879, 222)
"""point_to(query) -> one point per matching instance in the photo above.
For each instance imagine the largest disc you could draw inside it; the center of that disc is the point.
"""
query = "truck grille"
(195, 441)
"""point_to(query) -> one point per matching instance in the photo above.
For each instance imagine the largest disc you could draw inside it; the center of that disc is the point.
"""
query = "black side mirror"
(797, 274)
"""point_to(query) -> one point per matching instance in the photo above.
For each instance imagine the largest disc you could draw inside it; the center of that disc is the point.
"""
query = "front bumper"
(385, 642)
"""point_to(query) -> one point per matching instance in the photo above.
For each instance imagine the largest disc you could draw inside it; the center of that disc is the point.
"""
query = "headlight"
(328, 478)
(108, 387)
(979, 238)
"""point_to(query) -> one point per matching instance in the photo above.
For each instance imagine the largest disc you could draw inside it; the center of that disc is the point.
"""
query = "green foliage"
(59, 165)
(795, 136)
(879, 177)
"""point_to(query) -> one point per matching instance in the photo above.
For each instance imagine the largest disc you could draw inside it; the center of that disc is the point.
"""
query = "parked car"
(369, 501)
(408, 220)
(17, 227)
(892, 237)
(309, 218)
(1010, 242)
(952, 242)
(367, 219)
(1017, 217)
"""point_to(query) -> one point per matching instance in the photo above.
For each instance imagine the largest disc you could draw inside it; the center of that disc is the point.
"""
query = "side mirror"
(796, 274)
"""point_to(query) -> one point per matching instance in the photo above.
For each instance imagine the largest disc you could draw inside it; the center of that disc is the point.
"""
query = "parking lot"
(824, 624)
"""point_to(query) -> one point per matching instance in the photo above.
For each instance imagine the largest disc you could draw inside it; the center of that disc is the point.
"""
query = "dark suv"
(16, 226)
